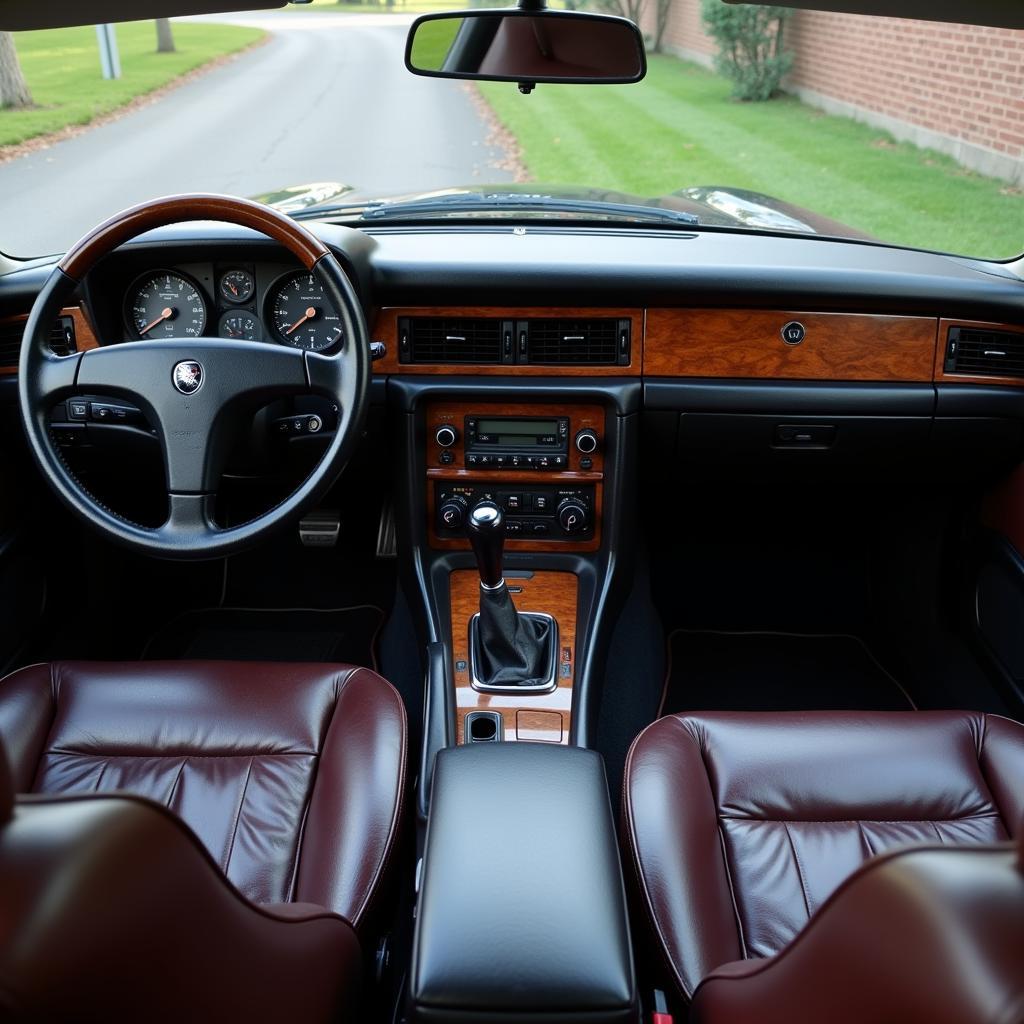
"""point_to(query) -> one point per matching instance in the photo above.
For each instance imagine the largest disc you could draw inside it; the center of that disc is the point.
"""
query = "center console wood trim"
(745, 343)
(85, 337)
(555, 593)
(385, 329)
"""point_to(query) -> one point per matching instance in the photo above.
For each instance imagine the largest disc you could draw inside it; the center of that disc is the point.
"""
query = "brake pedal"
(320, 529)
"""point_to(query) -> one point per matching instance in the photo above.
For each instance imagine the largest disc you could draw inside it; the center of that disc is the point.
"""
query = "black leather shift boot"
(511, 649)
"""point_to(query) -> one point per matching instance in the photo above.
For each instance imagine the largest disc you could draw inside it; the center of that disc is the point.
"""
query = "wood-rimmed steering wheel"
(192, 390)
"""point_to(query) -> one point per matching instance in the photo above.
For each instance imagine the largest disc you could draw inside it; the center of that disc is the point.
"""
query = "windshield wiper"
(512, 201)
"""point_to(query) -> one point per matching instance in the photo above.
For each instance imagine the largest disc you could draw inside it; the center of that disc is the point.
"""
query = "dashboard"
(563, 374)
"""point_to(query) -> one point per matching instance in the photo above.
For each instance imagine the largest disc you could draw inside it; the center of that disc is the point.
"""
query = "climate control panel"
(531, 511)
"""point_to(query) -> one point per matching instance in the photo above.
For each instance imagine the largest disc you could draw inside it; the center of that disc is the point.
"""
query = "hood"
(713, 205)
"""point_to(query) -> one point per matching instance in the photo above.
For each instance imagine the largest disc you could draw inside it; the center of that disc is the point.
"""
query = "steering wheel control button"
(793, 332)
(188, 376)
(314, 425)
(78, 410)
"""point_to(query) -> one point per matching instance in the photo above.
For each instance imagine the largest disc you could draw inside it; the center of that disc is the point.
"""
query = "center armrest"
(522, 910)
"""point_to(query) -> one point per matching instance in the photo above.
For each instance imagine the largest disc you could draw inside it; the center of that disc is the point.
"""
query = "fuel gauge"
(240, 325)
(237, 286)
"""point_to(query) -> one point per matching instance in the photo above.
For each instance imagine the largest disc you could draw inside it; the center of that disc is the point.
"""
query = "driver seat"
(234, 879)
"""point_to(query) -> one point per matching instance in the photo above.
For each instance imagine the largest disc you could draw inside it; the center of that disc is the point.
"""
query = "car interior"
(509, 621)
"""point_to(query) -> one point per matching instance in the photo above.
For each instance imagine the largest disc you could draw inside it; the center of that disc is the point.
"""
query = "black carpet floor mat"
(271, 634)
(718, 671)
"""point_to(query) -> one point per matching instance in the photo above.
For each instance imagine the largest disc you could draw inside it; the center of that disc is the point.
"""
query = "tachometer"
(165, 304)
(301, 315)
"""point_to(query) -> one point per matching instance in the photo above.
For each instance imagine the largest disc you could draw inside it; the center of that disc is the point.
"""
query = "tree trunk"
(13, 88)
(164, 36)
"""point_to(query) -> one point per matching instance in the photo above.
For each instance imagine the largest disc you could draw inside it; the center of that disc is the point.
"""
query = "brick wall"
(955, 88)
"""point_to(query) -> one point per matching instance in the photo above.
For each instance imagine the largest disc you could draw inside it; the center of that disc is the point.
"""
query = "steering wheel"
(193, 390)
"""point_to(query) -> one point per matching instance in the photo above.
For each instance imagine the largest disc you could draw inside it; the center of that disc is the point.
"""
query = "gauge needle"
(164, 315)
(308, 315)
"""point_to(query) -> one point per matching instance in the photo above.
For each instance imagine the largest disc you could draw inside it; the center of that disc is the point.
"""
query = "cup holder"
(483, 727)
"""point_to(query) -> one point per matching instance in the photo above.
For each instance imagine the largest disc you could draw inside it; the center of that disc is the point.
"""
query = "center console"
(542, 463)
(538, 468)
(521, 911)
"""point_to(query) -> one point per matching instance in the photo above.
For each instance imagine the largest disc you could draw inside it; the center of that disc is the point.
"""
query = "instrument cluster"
(242, 302)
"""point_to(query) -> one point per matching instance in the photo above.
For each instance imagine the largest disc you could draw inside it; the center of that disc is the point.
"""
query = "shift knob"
(486, 529)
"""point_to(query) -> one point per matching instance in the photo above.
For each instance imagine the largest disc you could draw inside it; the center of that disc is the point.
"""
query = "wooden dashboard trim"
(85, 337)
(385, 329)
(748, 344)
(532, 716)
(967, 378)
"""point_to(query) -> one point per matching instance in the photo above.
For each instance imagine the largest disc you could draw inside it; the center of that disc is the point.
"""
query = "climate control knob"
(446, 435)
(586, 442)
(453, 512)
(573, 515)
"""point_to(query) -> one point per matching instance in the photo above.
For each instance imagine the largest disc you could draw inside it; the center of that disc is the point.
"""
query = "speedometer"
(302, 315)
(165, 304)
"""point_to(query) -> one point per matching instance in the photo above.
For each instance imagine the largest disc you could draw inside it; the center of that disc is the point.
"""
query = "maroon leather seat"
(925, 935)
(290, 779)
(742, 826)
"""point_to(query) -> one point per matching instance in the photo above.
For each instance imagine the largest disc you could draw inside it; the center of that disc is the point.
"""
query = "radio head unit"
(508, 434)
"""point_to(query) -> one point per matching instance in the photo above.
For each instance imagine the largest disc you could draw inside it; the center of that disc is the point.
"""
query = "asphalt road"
(327, 99)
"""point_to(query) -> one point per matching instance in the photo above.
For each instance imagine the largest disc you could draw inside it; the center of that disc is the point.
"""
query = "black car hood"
(713, 205)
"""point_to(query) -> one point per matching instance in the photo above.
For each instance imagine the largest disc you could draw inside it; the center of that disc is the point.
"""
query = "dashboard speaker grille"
(62, 339)
(985, 353)
(449, 340)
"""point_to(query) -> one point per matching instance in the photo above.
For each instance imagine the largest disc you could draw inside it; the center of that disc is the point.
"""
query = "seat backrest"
(113, 911)
(927, 935)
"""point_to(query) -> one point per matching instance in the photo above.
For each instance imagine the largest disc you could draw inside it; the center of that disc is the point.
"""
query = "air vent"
(62, 338)
(427, 339)
(590, 342)
(984, 353)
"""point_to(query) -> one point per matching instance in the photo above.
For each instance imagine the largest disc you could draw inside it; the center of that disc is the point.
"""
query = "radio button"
(472, 460)
(513, 502)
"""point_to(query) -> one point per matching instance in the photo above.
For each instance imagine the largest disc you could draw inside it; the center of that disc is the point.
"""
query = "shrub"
(750, 46)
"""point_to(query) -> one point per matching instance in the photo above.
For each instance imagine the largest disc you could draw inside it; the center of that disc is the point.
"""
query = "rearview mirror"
(526, 47)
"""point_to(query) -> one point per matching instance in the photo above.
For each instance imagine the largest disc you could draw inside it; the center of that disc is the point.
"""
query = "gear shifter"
(486, 529)
(509, 651)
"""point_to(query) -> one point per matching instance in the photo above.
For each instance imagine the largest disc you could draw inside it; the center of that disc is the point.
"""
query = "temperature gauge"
(239, 326)
(237, 286)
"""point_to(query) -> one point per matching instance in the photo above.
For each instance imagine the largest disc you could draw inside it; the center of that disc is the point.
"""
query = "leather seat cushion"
(291, 775)
(742, 825)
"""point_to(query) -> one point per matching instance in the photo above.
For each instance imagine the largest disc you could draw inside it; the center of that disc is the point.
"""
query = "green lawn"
(62, 67)
(679, 128)
(398, 7)
(433, 41)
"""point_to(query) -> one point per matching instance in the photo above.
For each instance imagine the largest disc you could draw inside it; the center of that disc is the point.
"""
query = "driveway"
(327, 99)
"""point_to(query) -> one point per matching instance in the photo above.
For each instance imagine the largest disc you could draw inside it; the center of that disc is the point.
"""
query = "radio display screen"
(513, 432)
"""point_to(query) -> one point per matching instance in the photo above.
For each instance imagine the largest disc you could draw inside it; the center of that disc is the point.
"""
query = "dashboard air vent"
(62, 339)
(985, 353)
(428, 339)
(590, 342)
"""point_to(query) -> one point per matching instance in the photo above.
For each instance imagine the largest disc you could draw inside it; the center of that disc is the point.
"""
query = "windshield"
(905, 132)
